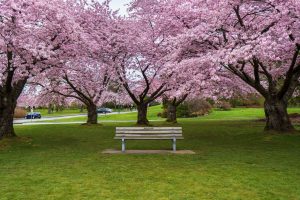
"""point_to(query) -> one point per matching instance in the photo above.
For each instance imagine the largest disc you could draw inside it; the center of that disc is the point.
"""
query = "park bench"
(148, 133)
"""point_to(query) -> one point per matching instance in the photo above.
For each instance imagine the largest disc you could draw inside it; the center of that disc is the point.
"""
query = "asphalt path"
(77, 122)
(44, 120)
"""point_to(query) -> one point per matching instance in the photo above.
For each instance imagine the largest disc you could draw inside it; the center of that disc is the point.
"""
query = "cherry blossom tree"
(141, 88)
(83, 79)
(199, 81)
(33, 95)
(182, 76)
(256, 41)
(35, 35)
(188, 81)
(139, 66)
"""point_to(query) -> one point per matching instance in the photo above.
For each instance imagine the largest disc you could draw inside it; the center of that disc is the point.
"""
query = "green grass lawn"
(240, 114)
(233, 160)
(65, 112)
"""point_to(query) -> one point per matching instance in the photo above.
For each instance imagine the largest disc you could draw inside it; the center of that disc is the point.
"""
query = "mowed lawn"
(234, 159)
(65, 112)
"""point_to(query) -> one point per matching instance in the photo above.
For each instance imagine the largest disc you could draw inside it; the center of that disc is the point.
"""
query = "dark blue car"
(33, 115)
(104, 110)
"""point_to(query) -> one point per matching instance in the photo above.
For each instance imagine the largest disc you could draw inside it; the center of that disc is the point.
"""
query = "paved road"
(43, 119)
(78, 122)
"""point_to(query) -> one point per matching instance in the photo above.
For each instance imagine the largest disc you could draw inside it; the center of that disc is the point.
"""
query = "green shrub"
(191, 108)
(183, 110)
(224, 105)
(295, 101)
(198, 107)
(20, 113)
(251, 100)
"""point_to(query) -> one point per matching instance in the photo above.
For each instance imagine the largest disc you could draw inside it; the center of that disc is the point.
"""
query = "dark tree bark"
(276, 115)
(92, 114)
(142, 114)
(172, 107)
(49, 108)
(171, 113)
(7, 116)
(8, 101)
(56, 108)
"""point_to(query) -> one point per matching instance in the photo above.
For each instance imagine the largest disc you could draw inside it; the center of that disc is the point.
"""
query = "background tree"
(83, 79)
(34, 36)
(256, 41)
(191, 79)
(139, 62)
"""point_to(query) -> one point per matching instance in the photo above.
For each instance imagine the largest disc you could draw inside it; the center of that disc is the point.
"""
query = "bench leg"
(174, 144)
(123, 144)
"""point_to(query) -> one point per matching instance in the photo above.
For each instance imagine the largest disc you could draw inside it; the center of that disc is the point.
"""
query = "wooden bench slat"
(150, 138)
(148, 132)
(161, 136)
(146, 135)
(148, 128)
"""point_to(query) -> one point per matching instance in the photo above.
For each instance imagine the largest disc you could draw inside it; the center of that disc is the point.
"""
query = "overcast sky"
(120, 4)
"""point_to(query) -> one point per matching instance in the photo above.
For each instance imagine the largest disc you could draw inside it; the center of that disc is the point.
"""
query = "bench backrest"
(148, 132)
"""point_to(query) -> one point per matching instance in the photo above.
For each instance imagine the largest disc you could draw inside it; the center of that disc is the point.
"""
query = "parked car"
(104, 110)
(33, 115)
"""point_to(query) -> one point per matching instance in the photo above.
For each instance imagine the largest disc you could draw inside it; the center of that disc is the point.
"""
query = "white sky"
(119, 4)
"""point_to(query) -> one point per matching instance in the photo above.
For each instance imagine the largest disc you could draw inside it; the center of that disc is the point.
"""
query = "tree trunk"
(142, 114)
(171, 113)
(7, 110)
(277, 118)
(92, 114)
(8, 100)
(49, 108)
(56, 108)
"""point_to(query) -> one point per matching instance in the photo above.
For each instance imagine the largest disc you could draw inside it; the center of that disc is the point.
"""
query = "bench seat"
(148, 133)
